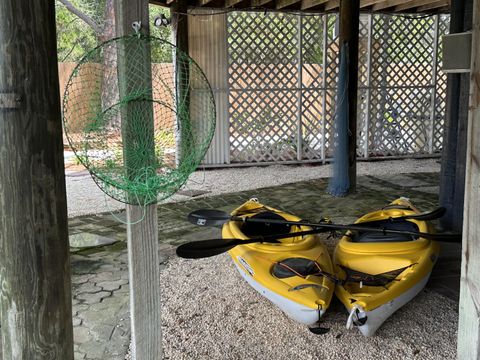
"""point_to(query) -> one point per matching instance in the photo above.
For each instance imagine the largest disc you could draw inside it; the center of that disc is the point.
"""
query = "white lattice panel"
(282, 75)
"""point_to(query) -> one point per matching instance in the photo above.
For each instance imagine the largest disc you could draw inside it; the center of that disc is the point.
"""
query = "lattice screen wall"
(282, 76)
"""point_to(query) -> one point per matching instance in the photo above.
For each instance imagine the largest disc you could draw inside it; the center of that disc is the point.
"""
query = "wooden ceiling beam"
(387, 4)
(332, 4)
(308, 4)
(367, 3)
(259, 3)
(281, 4)
(433, 6)
(412, 4)
(231, 3)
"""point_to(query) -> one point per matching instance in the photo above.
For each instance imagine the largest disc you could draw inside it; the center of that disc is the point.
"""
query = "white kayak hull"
(293, 310)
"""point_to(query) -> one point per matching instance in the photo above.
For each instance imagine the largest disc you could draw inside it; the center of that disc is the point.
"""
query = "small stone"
(81, 335)
(112, 285)
(93, 298)
(79, 355)
(77, 321)
(81, 279)
(85, 239)
(87, 288)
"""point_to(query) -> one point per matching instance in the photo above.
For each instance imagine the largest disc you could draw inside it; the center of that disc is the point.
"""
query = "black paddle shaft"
(212, 247)
(352, 227)
(210, 217)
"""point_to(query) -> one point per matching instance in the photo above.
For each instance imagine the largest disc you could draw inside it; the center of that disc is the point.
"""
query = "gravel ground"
(84, 197)
(210, 312)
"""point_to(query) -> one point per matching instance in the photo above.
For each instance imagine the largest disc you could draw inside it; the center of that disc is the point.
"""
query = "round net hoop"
(139, 114)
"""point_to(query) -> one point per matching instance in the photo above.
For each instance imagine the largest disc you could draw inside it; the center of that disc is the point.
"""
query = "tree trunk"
(110, 95)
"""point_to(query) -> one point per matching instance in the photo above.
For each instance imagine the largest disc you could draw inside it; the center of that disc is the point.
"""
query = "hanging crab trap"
(139, 115)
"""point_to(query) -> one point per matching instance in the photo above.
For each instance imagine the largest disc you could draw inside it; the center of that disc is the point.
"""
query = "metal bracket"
(10, 101)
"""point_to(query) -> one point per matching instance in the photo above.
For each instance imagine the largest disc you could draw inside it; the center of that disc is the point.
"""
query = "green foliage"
(75, 37)
(161, 54)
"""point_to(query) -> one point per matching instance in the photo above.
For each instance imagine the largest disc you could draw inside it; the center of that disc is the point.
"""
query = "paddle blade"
(208, 217)
(427, 216)
(319, 330)
(205, 248)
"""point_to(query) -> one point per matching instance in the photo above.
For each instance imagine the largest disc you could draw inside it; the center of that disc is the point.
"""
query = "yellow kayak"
(295, 274)
(380, 273)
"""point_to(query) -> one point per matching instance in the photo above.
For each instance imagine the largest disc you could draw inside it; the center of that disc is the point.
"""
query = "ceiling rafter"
(281, 4)
(308, 4)
(411, 4)
(434, 5)
(332, 4)
(387, 4)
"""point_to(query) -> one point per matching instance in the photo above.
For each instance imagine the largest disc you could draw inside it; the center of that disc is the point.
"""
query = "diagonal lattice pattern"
(401, 100)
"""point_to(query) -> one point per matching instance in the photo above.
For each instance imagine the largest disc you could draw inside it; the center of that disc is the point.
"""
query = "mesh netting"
(140, 123)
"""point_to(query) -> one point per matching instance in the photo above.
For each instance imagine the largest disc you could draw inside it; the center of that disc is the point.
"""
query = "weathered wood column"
(36, 309)
(142, 236)
(349, 23)
(469, 312)
(452, 175)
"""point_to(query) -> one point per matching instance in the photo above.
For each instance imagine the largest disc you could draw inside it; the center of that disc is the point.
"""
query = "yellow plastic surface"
(260, 258)
(376, 258)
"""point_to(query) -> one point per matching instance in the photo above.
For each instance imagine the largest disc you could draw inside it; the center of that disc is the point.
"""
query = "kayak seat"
(294, 267)
(369, 237)
(261, 229)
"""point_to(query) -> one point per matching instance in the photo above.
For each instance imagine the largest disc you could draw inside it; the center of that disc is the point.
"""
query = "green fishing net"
(139, 115)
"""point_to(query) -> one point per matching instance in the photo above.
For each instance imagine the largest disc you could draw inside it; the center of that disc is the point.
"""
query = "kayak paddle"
(212, 247)
(209, 217)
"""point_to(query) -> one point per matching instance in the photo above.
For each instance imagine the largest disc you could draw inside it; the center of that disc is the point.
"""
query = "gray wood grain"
(36, 312)
(143, 260)
(469, 316)
(452, 178)
(144, 283)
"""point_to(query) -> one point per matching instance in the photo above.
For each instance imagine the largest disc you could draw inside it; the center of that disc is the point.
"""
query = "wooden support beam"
(387, 4)
(281, 4)
(469, 306)
(411, 5)
(434, 5)
(452, 175)
(259, 3)
(232, 3)
(35, 304)
(349, 23)
(332, 5)
(308, 4)
(367, 3)
(142, 236)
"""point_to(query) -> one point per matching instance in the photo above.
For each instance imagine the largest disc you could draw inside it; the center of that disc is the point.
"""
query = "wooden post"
(452, 177)
(349, 23)
(36, 309)
(142, 236)
(469, 311)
